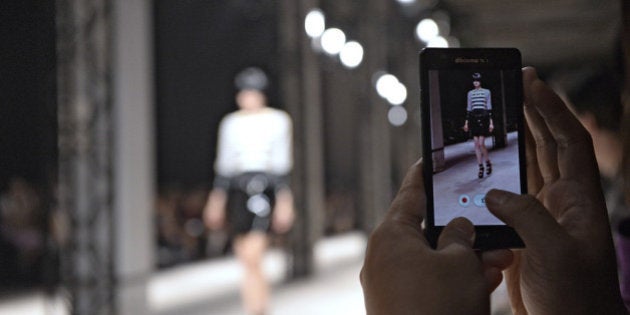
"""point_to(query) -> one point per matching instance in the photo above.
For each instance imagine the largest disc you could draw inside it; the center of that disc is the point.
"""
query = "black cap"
(476, 76)
(251, 79)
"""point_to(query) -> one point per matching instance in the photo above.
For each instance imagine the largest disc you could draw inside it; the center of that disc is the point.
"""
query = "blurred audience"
(22, 234)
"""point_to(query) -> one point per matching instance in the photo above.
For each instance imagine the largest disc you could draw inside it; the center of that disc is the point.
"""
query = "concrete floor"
(211, 287)
(460, 179)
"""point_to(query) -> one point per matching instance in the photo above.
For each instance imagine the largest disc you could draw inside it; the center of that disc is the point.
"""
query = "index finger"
(574, 147)
(409, 205)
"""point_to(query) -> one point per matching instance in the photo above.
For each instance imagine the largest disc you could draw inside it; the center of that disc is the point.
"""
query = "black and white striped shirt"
(479, 99)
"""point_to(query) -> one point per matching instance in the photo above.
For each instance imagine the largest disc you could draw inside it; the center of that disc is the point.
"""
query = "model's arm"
(225, 164)
(214, 211)
(282, 162)
(282, 146)
(489, 100)
(489, 108)
(468, 109)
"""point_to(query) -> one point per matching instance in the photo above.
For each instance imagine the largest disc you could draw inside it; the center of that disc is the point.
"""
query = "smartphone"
(473, 138)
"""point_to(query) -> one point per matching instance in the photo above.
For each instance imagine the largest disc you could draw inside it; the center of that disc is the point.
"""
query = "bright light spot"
(438, 41)
(333, 40)
(314, 23)
(351, 55)
(385, 85)
(389, 88)
(397, 115)
(398, 94)
(406, 1)
(426, 30)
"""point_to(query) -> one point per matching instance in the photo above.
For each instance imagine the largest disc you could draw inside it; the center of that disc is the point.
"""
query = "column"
(134, 154)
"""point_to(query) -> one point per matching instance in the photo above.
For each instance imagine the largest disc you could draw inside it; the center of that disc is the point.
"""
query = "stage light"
(385, 84)
(390, 88)
(397, 116)
(333, 40)
(315, 23)
(438, 41)
(405, 2)
(351, 55)
(398, 94)
(426, 30)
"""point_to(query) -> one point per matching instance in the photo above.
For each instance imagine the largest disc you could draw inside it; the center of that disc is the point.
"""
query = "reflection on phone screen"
(474, 140)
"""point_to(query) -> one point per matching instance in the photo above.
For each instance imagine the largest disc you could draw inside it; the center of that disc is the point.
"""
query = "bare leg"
(478, 148)
(484, 155)
(250, 249)
(483, 149)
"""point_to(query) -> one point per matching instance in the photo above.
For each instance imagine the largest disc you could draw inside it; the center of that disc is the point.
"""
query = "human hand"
(402, 274)
(568, 265)
(283, 213)
(491, 127)
(214, 211)
(465, 126)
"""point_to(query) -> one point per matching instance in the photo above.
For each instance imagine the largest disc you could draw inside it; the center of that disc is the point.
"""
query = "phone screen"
(475, 122)
(473, 138)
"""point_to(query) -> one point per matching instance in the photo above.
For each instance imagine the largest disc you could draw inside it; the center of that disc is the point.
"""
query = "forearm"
(217, 198)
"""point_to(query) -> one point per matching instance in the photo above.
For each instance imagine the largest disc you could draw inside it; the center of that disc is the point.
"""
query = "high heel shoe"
(488, 167)
(480, 175)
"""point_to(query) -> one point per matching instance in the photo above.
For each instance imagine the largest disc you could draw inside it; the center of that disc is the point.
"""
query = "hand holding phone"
(481, 90)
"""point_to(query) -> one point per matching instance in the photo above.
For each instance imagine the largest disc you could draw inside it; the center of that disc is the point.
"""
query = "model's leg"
(250, 249)
(485, 155)
(478, 149)
(478, 154)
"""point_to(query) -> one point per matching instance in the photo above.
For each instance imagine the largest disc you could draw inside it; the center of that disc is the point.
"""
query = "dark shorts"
(479, 121)
(250, 203)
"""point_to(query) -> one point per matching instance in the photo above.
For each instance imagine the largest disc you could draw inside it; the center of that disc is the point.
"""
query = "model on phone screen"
(479, 115)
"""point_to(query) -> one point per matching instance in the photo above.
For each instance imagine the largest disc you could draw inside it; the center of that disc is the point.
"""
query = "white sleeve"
(282, 153)
(224, 164)
(489, 100)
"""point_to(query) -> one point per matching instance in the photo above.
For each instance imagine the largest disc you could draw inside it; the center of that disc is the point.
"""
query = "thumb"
(458, 231)
(531, 220)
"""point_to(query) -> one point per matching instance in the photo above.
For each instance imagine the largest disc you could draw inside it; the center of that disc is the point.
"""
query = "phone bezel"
(487, 236)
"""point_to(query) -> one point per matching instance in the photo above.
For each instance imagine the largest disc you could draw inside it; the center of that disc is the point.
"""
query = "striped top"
(479, 99)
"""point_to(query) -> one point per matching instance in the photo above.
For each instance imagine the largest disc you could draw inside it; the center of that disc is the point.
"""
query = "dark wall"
(200, 45)
(27, 91)
(28, 141)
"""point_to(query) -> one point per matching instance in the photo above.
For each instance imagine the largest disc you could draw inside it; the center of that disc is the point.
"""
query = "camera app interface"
(474, 140)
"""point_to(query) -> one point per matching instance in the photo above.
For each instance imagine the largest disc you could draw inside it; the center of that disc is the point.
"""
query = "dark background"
(200, 46)
(28, 115)
(28, 140)
(454, 87)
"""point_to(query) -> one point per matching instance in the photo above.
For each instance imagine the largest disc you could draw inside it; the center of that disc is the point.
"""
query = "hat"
(251, 79)
(476, 76)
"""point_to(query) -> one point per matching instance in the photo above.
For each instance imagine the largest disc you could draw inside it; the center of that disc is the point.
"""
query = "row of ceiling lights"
(430, 31)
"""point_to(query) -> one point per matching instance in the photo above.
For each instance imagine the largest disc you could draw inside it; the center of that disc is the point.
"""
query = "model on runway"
(251, 194)
(479, 114)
